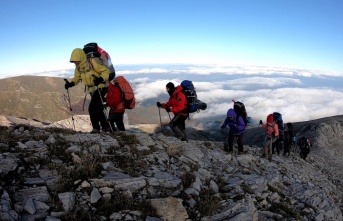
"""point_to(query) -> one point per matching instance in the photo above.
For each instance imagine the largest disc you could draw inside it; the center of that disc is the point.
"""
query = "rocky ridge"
(59, 174)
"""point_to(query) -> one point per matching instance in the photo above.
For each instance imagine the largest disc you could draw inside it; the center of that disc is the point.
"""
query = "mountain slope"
(40, 98)
(52, 173)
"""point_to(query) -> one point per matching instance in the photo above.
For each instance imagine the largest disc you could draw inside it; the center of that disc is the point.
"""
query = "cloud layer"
(298, 94)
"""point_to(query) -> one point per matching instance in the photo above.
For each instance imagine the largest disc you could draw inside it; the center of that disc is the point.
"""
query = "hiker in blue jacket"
(237, 128)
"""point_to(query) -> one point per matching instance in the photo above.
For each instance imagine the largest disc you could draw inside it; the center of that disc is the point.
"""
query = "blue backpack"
(193, 104)
(278, 119)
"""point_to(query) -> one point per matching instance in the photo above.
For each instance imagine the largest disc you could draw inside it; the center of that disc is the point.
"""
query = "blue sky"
(39, 35)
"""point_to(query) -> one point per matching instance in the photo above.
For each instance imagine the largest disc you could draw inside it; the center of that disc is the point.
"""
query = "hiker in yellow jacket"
(94, 74)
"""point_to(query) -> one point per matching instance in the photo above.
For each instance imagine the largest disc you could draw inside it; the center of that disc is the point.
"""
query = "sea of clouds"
(300, 95)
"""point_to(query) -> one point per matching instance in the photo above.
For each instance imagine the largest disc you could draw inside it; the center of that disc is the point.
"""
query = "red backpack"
(270, 119)
(128, 96)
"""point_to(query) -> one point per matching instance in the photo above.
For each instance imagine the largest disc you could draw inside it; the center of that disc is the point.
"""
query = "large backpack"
(270, 119)
(128, 96)
(92, 50)
(193, 104)
(240, 110)
(278, 120)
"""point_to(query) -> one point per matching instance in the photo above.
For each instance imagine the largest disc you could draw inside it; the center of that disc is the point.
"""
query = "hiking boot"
(183, 139)
(240, 153)
(95, 131)
(226, 149)
(263, 156)
(269, 158)
(106, 130)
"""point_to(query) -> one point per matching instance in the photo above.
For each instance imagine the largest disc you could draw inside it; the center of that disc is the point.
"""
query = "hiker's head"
(78, 56)
(170, 88)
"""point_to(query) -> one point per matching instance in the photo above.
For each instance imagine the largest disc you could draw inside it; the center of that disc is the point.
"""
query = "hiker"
(116, 114)
(237, 128)
(94, 75)
(304, 145)
(177, 104)
(288, 137)
(272, 134)
(279, 142)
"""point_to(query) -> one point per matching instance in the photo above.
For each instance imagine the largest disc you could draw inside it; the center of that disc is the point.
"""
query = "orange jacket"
(177, 102)
(271, 127)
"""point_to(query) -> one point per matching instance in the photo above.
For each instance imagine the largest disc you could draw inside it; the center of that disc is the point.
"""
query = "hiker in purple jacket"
(237, 128)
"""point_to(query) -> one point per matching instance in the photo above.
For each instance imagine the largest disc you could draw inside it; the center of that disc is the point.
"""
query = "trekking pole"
(169, 117)
(71, 110)
(84, 101)
(105, 110)
(159, 112)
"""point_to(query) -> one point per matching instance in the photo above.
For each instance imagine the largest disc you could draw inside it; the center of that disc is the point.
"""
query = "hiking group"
(278, 137)
(94, 68)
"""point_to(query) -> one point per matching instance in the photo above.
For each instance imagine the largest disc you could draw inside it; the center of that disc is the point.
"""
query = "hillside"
(44, 99)
(40, 98)
(59, 174)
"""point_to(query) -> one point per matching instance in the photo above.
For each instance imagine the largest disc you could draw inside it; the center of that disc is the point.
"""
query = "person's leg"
(101, 111)
(93, 110)
(277, 145)
(270, 149)
(174, 126)
(120, 121)
(230, 141)
(267, 147)
(111, 119)
(286, 148)
(274, 146)
(240, 143)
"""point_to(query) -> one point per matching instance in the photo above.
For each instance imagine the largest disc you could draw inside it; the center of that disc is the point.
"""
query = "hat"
(170, 85)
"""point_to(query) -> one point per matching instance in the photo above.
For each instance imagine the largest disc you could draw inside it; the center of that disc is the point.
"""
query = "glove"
(222, 127)
(261, 122)
(158, 104)
(273, 134)
(236, 127)
(97, 81)
(167, 109)
(69, 84)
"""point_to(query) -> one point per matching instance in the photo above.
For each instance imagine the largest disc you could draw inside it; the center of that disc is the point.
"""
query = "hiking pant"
(239, 142)
(278, 145)
(96, 111)
(178, 126)
(286, 149)
(304, 151)
(268, 147)
(117, 119)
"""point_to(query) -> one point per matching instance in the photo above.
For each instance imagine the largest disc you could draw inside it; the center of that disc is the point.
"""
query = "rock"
(169, 209)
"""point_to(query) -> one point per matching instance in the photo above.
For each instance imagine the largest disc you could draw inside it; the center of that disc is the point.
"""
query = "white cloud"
(296, 104)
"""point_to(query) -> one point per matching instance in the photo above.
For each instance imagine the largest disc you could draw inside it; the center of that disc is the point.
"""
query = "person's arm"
(226, 122)
(77, 77)
(101, 70)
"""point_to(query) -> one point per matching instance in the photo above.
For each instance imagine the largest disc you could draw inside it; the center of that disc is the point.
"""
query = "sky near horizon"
(39, 35)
